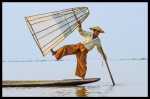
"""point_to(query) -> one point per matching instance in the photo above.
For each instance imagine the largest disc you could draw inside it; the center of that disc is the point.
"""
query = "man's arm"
(100, 50)
(79, 24)
(104, 55)
(82, 32)
(79, 27)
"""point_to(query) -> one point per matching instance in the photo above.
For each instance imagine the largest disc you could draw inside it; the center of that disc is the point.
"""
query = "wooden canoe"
(40, 83)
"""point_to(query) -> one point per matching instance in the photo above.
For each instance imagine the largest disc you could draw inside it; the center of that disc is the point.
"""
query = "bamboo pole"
(108, 68)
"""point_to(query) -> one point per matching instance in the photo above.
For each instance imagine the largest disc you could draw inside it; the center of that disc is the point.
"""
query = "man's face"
(96, 32)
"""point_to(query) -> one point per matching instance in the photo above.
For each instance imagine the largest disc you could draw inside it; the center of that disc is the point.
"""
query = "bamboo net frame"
(49, 29)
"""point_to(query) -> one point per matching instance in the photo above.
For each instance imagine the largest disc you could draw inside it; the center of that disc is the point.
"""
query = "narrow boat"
(42, 83)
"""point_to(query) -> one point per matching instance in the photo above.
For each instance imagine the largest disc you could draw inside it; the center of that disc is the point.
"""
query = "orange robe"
(81, 54)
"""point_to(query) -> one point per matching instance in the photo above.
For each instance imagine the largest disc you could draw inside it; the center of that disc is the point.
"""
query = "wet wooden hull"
(40, 83)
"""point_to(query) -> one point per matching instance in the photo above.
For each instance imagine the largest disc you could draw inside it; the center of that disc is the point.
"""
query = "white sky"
(125, 25)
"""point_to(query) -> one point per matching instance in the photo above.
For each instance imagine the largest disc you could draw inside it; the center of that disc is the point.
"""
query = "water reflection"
(87, 91)
(107, 90)
(81, 91)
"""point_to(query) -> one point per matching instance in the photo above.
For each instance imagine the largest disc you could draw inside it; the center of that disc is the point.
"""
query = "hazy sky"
(125, 26)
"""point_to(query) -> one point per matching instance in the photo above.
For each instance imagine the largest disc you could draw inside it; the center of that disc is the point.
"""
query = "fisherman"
(82, 48)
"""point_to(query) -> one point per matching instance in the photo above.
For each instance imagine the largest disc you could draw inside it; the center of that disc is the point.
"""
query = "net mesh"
(49, 29)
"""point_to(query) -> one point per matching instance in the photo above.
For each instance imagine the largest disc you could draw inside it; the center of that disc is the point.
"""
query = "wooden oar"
(108, 68)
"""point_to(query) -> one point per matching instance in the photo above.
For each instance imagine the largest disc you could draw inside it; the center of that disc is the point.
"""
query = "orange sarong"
(81, 54)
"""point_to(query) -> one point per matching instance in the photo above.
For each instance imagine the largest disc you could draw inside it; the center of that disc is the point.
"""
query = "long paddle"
(108, 68)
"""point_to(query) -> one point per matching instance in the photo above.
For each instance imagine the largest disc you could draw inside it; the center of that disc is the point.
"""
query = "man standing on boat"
(82, 48)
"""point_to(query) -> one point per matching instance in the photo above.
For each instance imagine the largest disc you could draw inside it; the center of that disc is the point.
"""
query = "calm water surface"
(130, 77)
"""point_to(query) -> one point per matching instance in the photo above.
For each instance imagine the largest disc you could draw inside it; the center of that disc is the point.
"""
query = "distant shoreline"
(135, 59)
(63, 60)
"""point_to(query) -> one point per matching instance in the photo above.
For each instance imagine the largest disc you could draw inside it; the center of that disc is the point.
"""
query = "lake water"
(130, 77)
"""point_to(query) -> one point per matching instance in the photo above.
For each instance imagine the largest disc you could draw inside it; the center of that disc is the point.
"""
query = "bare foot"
(82, 78)
(53, 52)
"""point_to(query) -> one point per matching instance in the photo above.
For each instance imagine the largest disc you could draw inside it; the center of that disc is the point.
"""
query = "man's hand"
(105, 58)
(79, 22)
